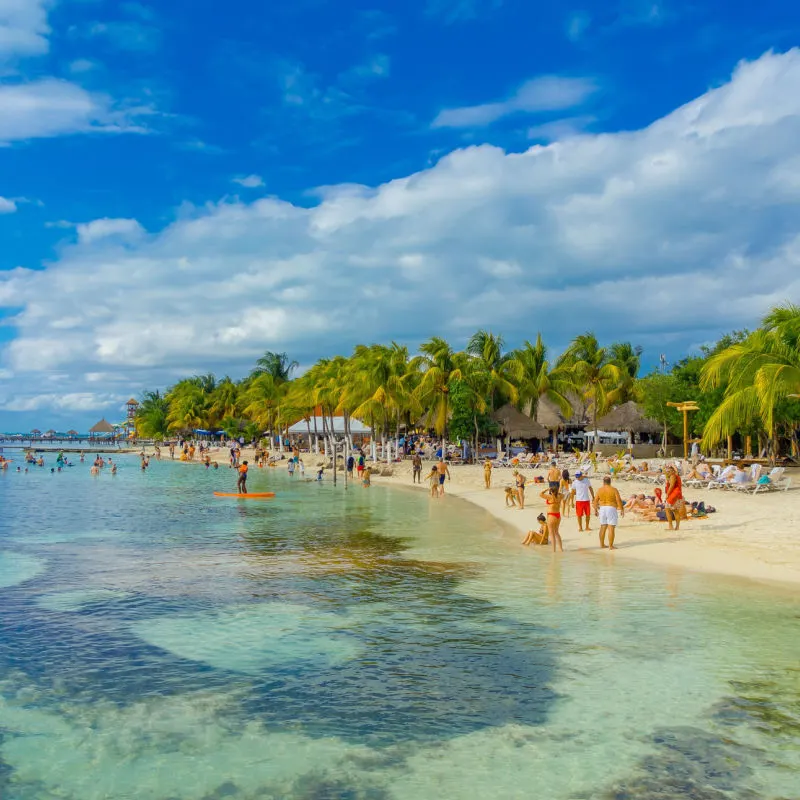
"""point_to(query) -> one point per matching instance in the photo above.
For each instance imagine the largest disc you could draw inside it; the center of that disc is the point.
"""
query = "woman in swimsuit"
(553, 500)
(565, 489)
(519, 483)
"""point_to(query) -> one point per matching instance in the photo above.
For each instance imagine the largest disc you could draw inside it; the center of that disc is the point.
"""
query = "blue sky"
(184, 185)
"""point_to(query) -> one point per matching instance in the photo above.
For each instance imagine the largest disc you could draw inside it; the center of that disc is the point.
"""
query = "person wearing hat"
(584, 495)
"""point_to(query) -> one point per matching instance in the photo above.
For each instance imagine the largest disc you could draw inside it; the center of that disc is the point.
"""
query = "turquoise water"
(156, 642)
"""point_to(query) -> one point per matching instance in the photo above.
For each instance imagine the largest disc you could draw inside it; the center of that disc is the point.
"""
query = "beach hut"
(517, 425)
(629, 418)
(36, 432)
(73, 433)
(50, 434)
(101, 428)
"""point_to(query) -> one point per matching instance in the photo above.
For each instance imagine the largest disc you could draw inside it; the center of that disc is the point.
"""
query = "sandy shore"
(754, 537)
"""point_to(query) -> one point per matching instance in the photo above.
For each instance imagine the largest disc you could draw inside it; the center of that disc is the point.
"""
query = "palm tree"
(188, 405)
(536, 379)
(151, 416)
(277, 365)
(261, 400)
(500, 369)
(593, 373)
(224, 399)
(438, 365)
(628, 359)
(758, 374)
(378, 387)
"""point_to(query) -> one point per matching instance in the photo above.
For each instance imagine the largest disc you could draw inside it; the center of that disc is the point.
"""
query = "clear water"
(156, 642)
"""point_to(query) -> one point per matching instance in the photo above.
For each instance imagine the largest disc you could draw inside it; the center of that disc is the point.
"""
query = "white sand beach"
(753, 537)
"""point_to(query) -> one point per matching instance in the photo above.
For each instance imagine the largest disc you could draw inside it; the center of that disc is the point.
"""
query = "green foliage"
(742, 384)
(465, 414)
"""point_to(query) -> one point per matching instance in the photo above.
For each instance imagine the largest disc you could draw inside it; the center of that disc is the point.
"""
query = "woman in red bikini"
(675, 505)
(552, 498)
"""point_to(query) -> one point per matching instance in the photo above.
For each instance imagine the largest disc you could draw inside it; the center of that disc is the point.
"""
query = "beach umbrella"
(102, 427)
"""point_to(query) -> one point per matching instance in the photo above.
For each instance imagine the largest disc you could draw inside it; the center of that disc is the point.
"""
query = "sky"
(184, 185)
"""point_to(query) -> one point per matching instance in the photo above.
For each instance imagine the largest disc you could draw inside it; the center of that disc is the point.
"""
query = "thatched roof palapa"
(102, 427)
(518, 425)
(72, 433)
(628, 417)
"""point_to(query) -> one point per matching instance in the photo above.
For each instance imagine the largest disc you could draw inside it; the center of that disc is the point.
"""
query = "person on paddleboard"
(241, 484)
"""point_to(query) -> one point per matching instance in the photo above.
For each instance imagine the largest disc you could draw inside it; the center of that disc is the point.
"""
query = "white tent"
(356, 427)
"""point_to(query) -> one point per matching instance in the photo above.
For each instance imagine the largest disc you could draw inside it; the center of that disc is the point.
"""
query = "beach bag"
(764, 480)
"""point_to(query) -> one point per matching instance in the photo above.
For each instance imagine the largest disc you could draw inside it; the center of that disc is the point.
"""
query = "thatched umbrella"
(101, 427)
(73, 433)
(36, 432)
(628, 417)
(517, 425)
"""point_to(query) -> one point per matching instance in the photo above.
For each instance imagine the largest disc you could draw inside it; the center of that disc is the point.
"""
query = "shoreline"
(749, 537)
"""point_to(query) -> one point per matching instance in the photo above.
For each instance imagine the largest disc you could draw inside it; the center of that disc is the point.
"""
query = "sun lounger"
(778, 481)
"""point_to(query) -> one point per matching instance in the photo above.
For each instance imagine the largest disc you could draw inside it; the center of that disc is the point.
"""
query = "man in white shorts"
(608, 506)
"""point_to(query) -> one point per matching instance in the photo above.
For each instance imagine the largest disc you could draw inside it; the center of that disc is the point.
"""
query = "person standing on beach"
(674, 506)
(553, 501)
(554, 476)
(519, 486)
(608, 506)
(241, 484)
(433, 481)
(487, 473)
(443, 472)
(583, 494)
(351, 464)
(416, 468)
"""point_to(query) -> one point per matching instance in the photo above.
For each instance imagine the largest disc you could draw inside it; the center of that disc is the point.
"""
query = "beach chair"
(778, 481)
(752, 481)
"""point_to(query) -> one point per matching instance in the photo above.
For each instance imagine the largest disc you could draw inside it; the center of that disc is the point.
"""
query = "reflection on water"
(156, 642)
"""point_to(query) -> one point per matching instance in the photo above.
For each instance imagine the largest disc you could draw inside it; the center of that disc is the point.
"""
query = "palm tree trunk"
(308, 429)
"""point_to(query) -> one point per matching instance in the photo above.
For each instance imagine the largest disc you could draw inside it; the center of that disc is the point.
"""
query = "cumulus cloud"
(250, 181)
(23, 28)
(665, 235)
(109, 228)
(7, 206)
(52, 107)
(545, 93)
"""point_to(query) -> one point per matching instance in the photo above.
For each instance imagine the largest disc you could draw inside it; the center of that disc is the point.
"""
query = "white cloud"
(560, 128)
(7, 206)
(23, 28)
(250, 181)
(81, 65)
(671, 233)
(546, 93)
(51, 107)
(75, 401)
(107, 228)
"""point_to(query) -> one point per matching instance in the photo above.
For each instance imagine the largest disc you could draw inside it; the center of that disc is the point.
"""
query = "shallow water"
(158, 642)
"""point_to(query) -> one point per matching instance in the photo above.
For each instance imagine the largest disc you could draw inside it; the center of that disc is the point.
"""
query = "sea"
(159, 642)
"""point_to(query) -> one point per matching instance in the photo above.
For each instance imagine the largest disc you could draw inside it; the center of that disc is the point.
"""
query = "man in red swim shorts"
(584, 494)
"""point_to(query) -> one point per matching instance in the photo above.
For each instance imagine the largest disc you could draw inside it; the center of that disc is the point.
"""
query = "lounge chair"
(778, 481)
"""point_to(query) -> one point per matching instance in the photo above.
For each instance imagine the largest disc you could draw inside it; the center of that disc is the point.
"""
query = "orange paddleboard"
(248, 496)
